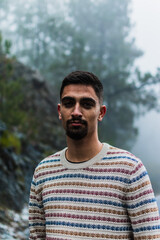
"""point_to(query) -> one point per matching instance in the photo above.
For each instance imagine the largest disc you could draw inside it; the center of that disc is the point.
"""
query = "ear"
(59, 111)
(103, 110)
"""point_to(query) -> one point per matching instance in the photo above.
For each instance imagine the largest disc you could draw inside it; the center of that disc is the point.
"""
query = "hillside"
(24, 141)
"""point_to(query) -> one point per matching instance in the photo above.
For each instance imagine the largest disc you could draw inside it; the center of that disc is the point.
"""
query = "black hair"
(84, 78)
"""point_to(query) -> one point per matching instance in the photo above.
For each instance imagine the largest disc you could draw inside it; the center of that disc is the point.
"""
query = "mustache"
(77, 120)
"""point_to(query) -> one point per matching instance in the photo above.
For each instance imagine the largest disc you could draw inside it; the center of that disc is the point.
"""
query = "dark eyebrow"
(67, 98)
(88, 100)
(82, 99)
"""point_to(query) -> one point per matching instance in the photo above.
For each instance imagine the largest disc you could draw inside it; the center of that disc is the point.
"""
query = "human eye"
(68, 102)
(88, 103)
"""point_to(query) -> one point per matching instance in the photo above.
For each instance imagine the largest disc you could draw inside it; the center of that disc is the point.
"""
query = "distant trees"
(11, 94)
(57, 37)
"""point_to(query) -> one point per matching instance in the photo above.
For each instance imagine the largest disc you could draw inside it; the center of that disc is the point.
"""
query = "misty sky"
(146, 16)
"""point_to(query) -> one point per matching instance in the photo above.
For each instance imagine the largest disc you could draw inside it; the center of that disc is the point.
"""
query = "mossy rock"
(9, 140)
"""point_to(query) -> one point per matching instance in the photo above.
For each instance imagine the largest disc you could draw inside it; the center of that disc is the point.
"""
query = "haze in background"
(146, 16)
(31, 38)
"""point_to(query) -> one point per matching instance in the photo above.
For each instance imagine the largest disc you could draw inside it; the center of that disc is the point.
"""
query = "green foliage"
(93, 36)
(11, 96)
(11, 100)
(5, 46)
(9, 140)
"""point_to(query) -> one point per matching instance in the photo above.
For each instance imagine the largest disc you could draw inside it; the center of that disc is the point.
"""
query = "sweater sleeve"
(36, 213)
(141, 205)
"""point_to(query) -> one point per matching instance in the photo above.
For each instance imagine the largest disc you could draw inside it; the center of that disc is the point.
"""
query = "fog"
(45, 40)
(147, 146)
(146, 16)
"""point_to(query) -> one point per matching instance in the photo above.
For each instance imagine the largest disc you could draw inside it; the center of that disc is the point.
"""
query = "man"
(90, 190)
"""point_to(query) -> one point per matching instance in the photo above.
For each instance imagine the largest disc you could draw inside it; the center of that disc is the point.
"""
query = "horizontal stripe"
(133, 180)
(109, 170)
(87, 226)
(120, 163)
(84, 192)
(50, 172)
(120, 157)
(89, 234)
(96, 193)
(140, 186)
(85, 209)
(36, 218)
(35, 199)
(149, 219)
(120, 152)
(144, 212)
(39, 231)
(49, 161)
(99, 201)
(142, 194)
(93, 177)
(85, 200)
(36, 211)
(48, 166)
(35, 205)
(148, 237)
(98, 210)
(37, 224)
(85, 217)
(83, 184)
(85, 176)
(139, 204)
(147, 228)
(95, 185)
(38, 236)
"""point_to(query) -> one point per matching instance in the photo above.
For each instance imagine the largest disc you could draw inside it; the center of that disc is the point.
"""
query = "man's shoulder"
(52, 160)
(116, 154)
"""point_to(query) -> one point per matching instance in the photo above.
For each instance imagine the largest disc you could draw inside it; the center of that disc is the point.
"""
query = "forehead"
(79, 91)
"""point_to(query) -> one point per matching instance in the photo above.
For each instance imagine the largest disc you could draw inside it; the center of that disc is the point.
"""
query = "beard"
(76, 132)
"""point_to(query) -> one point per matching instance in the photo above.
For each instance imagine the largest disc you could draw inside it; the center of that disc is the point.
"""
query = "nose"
(76, 111)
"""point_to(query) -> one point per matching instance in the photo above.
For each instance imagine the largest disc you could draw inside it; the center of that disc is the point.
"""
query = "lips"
(76, 122)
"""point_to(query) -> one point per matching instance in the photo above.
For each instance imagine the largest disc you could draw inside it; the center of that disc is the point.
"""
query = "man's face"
(80, 111)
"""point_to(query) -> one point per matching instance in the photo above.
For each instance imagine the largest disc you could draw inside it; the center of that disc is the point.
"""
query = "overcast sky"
(146, 16)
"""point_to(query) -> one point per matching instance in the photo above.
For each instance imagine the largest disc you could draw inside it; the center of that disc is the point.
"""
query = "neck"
(82, 150)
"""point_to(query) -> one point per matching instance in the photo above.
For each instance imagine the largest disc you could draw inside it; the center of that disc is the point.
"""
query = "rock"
(41, 136)
(16, 226)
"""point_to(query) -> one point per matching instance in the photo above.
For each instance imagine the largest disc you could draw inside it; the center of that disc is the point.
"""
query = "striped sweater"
(108, 197)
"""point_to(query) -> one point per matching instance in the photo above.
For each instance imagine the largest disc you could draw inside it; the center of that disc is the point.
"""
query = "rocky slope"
(43, 135)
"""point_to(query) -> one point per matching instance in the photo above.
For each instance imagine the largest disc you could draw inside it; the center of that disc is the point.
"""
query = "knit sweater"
(107, 197)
